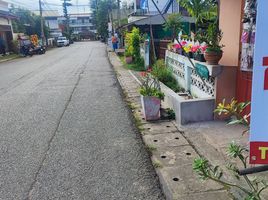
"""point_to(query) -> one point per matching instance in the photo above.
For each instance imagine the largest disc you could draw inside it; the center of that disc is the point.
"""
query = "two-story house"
(145, 8)
(81, 24)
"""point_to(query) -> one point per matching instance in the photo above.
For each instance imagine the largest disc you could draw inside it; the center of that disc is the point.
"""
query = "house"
(81, 24)
(146, 16)
(237, 24)
(6, 31)
(51, 21)
(145, 8)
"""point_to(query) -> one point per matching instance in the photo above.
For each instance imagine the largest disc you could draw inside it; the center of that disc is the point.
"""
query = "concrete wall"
(3, 5)
(4, 21)
(52, 23)
(230, 24)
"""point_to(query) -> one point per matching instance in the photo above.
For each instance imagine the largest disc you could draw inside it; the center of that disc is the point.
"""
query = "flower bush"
(164, 74)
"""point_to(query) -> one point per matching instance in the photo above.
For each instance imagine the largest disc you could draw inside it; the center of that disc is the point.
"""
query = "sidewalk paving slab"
(177, 179)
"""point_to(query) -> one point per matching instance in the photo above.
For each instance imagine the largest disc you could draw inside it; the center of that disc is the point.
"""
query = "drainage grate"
(175, 179)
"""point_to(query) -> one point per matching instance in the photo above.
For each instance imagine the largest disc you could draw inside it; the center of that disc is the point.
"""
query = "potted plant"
(177, 48)
(199, 55)
(213, 52)
(129, 58)
(151, 97)
(187, 50)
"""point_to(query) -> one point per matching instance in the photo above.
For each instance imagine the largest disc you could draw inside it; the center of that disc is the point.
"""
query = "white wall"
(3, 5)
(4, 21)
(52, 24)
(160, 4)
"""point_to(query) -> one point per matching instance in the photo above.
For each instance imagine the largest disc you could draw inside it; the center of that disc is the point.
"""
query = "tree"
(174, 24)
(27, 23)
(94, 6)
(67, 31)
(201, 10)
(104, 8)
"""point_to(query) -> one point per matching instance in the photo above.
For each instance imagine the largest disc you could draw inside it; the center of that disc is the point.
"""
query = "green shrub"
(132, 40)
(136, 39)
(164, 75)
(150, 87)
(15, 46)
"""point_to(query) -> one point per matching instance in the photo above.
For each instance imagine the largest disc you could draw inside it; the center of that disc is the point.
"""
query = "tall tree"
(94, 7)
(67, 31)
(27, 23)
(103, 8)
(201, 10)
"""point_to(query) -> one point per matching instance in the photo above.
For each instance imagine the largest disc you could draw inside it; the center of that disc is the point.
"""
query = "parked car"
(62, 41)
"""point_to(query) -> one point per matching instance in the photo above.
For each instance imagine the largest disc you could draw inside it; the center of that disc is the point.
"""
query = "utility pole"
(118, 13)
(65, 4)
(110, 14)
(42, 22)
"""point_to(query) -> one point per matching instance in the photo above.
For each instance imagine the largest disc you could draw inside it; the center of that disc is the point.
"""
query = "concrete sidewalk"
(173, 150)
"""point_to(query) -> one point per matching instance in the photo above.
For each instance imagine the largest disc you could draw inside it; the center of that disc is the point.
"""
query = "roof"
(47, 13)
(156, 20)
(7, 14)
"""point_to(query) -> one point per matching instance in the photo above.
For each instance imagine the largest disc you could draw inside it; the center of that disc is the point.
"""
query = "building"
(238, 38)
(145, 8)
(81, 24)
(51, 21)
(6, 31)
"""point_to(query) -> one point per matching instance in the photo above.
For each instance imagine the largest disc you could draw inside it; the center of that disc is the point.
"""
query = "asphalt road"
(66, 133)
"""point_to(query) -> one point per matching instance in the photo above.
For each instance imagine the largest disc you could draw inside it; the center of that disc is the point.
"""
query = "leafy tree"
(27, 23)
(101, 10)
(201, 10)
(94, 6)
(174, 24)
(102, 18)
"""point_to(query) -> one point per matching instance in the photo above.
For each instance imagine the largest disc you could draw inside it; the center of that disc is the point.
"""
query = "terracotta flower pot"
(213, 58)
(129, 59)
(151, 107)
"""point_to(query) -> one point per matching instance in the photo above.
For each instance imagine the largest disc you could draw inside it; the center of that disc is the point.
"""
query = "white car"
(62, 41)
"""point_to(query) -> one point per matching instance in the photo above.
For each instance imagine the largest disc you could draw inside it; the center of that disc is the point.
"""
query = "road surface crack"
(30, 192)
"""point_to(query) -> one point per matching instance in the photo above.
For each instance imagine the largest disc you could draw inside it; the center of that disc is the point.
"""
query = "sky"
(79, 6)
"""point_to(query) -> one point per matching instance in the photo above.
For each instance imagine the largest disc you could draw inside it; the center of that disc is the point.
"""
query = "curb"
(9, 59)
(165, 130)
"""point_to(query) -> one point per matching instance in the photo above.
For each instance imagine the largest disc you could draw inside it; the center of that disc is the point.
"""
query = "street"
(66, 133)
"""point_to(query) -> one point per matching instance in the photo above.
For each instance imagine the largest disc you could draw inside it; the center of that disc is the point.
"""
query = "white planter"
(189, 110)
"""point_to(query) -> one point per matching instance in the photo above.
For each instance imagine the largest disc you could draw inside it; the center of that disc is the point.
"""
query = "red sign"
(259, 108)
(258, 152)
(265, 63)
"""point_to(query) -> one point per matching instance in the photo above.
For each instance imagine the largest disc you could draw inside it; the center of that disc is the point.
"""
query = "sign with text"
(259, 113)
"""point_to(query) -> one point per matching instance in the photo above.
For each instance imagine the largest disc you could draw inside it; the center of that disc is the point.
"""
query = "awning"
(5, 28)
(155, 20)
(7, 15)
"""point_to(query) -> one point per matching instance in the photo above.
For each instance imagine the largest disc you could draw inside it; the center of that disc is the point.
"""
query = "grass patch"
(157, 164)
(138, 123)
(133, 66)
(9, 57)
(164, 74)
(151, 148)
